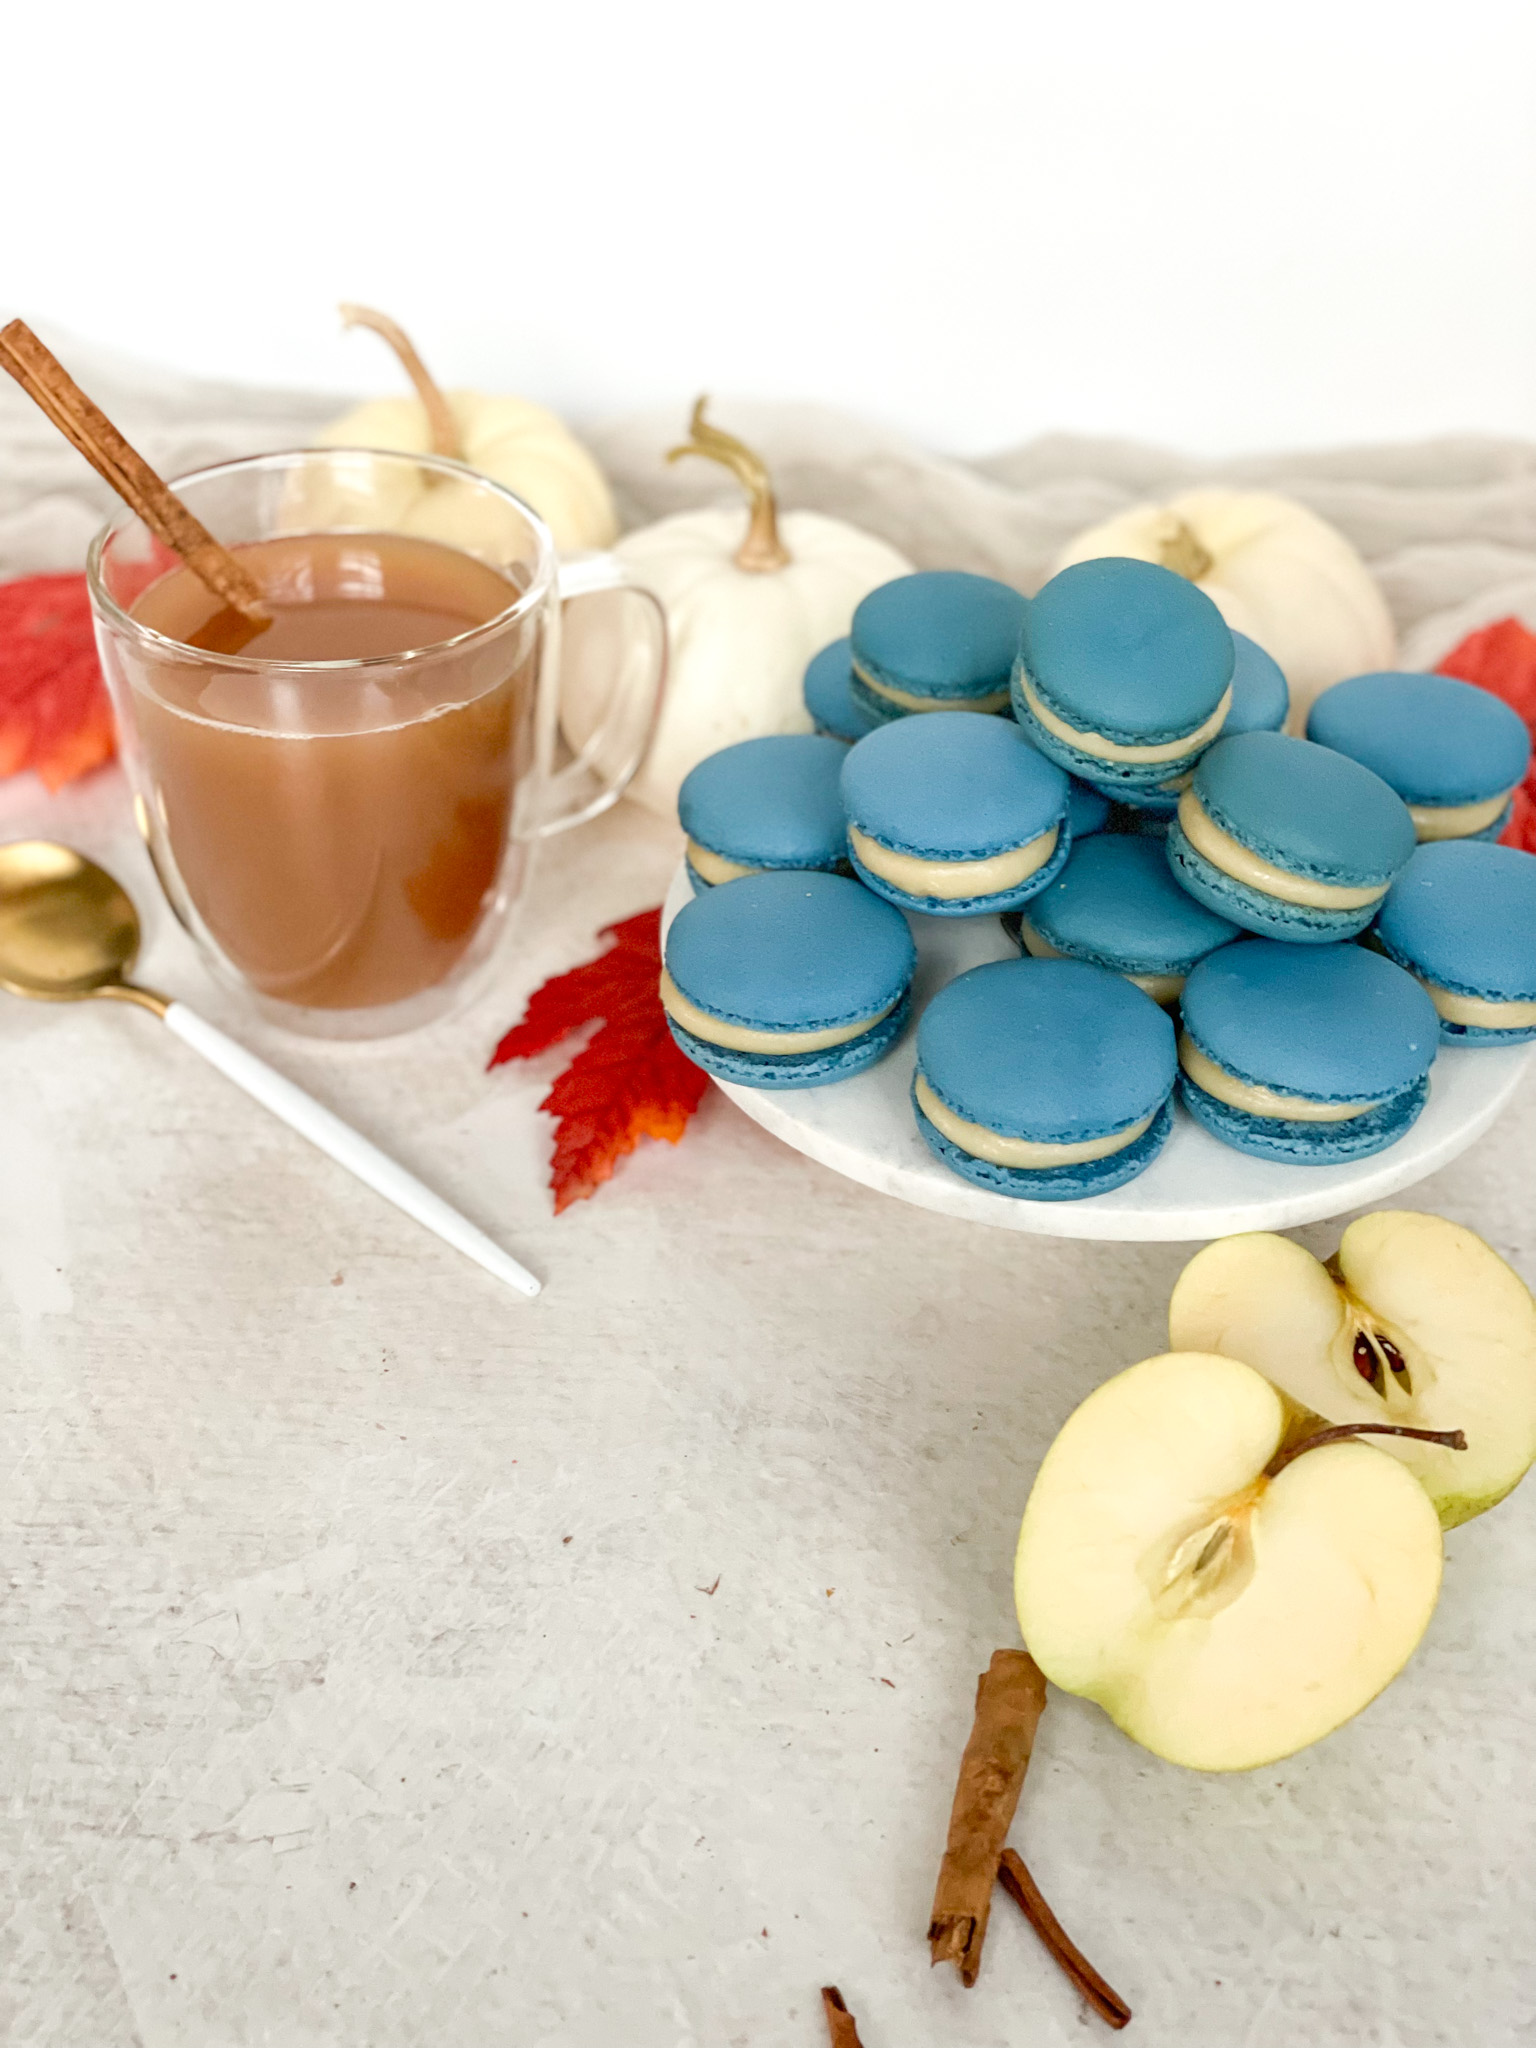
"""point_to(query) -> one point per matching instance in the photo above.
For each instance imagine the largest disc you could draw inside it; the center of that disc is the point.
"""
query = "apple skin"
(1329, 1581)
(1462, 1321)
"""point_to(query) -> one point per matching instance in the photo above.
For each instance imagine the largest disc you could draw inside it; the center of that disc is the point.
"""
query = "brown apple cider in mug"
(344, 860)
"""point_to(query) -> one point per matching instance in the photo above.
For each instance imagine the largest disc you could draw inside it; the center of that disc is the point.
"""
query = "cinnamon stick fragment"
(50, 387)
(842, 2030)
(1010, 1698)
(1013, 1874)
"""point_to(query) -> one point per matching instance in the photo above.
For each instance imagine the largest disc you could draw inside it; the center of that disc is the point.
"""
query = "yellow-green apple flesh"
(1418, 1322)
(1220, 1616)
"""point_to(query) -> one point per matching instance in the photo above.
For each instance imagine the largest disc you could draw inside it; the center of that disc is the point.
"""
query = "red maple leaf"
(629, 1081)
(55, 715)
(1501, 658)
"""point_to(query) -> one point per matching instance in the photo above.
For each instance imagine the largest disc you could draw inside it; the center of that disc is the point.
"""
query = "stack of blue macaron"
(1282, 931)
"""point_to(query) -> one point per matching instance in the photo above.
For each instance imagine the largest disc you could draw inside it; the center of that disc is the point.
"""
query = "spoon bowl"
(67, 929)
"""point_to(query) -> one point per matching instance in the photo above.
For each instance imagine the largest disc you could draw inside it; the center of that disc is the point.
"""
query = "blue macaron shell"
(950, 786)
(773, 802)
(1117, 903)
(1050, 1183)
(1261, 697)
(1087, 809)
(1305, 808)
(1463, 915)
(828, 691)
(942, 634)
(1432, 738)
(1056, 1051)
(790, 952)
(1299, 1143)
(1127, 650)
(1332, 1023)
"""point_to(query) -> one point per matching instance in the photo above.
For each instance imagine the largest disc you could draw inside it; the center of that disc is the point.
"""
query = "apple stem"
(1449, 1439)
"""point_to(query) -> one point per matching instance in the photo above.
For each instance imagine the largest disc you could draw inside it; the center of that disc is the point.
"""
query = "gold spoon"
(69, 933)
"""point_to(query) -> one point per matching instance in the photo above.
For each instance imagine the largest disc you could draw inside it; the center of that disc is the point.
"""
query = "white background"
(1217, 225)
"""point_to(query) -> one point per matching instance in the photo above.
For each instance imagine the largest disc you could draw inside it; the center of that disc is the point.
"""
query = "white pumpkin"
(747, 606)
(510, 440)
(1275, 570)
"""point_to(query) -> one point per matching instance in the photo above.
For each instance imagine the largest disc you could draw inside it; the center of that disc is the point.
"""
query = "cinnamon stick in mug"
(1010, 1698)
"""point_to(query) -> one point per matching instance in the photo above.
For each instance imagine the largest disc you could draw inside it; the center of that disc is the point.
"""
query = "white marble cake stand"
(1196, 1188)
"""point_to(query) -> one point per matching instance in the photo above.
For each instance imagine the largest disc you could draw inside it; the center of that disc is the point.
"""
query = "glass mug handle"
(623, 630)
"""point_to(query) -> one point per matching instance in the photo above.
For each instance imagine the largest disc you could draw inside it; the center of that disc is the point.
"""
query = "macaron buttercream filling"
(953, 881)
(752, 1038)
(1255, 1100)
(714, 867)
(1028, 1153)
(1162, 988)
(1456, 821)
(911, 700)
(1482, 1013)
(1243, 865)
(1103, 749)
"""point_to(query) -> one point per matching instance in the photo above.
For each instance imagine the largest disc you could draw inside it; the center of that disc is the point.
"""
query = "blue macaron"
(1289, 839)
(1310, 1054)
(787, 980)
(1261, 702)
(1117, 904)
(1088, 809)
(1455, 754)
(766, 803)
(940, 640)
(1261, 697)
(1124, 673)
(1462, 917)
(1045, 1079)
(828, 691)
(954, 815)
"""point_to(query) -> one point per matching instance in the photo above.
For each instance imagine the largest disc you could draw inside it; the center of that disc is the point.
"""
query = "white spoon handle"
(303, 1114)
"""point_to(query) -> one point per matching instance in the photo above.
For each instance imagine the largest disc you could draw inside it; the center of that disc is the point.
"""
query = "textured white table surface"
(359, 1687)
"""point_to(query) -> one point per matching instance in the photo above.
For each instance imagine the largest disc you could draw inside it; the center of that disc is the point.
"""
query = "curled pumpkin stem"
(443, 426)
(1181, 550)
(762, 551)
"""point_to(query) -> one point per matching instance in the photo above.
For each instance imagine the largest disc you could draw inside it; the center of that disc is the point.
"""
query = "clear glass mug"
(345, 839)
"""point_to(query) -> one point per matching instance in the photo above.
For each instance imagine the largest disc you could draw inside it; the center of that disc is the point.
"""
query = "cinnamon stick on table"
(1016, 1881)
(842, 2030)
(1010, 1698)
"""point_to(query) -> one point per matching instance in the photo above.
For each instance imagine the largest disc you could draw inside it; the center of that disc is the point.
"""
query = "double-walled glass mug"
(340, 810)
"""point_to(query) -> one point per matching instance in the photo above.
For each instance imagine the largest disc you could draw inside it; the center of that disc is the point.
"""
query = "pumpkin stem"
(761, 551)
(1179, 550)
(440, 420)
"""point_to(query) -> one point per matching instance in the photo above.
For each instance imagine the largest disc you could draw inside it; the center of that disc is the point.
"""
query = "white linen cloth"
(389, 1660)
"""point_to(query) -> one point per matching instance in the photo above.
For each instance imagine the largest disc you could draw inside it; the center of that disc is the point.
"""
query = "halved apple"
(1220, 1616)
(1418, 1322)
